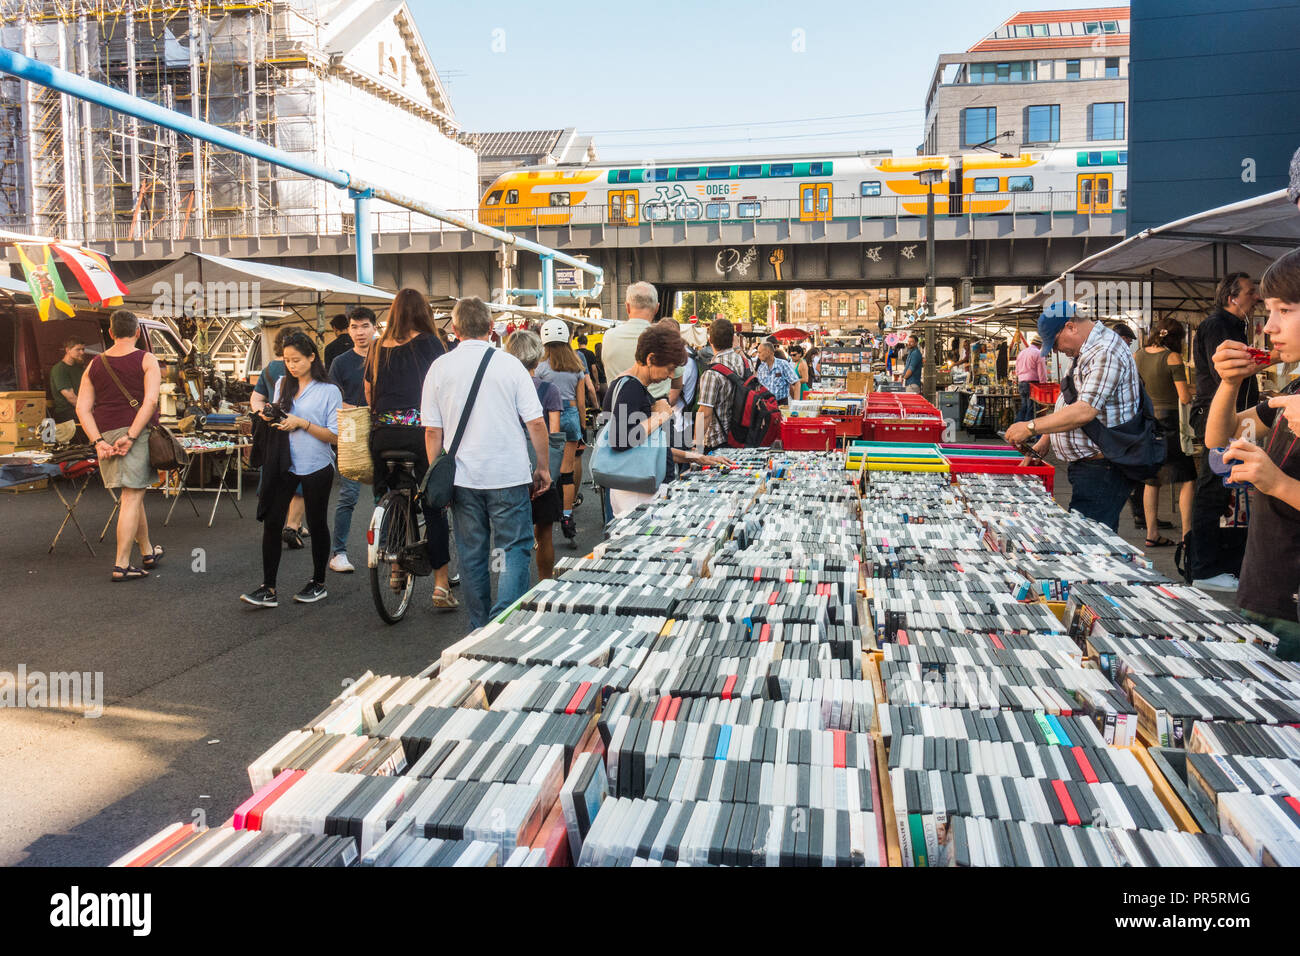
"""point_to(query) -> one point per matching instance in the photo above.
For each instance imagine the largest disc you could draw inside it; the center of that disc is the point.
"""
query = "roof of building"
(1004, 38)
(559, 145)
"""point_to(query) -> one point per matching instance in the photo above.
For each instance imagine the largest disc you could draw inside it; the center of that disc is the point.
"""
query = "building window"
(869, 188)
(1106, 121)
(1071, 69)
(824, 308)
(1110, 26)
(842, 309)
(1112, 67)
(717, 210)
(862, 307)
(1040, 29)
(559, 199)
(1043, 124)
(1022, 30)
(1017, 71)
(1092, 28)
(978, 125)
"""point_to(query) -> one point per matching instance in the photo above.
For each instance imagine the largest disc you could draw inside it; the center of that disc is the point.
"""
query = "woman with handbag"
(632, 419)
(305, 410)
(563, 368)
(548, 506)
(117, 405)
(395, 370)
(1160, 364)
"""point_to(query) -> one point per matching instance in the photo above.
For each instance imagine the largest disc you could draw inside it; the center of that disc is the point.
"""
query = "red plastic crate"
(999, 466)
(912, 429)
(809, 434)
(1045, 392)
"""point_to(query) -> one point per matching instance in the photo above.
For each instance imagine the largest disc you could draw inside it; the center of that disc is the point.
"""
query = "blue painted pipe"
(54, 78)
(365, 243)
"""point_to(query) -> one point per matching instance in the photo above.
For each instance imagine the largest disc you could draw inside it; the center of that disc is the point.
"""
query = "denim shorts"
(570, 423)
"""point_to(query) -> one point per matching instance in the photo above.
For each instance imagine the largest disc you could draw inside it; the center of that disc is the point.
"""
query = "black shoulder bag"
(440, 480)
(1136, 447)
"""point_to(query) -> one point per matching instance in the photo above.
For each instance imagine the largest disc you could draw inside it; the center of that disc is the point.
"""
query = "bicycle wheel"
(391, 530)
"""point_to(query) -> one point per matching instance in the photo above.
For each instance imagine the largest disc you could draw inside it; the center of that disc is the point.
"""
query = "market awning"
(1241, 237)
(168, 288)
(16, 286)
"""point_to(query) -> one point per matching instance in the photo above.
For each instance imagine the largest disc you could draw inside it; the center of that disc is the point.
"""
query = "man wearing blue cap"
(1107, 388)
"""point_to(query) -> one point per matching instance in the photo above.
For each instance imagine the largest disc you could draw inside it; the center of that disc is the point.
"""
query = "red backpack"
(755, 412)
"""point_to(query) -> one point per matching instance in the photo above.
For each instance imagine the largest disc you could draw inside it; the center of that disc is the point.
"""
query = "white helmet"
(555, 330)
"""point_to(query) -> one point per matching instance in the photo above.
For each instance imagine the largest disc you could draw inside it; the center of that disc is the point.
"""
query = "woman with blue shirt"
(306, 410)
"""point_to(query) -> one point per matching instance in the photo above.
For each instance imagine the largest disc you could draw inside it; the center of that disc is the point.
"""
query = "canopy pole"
(365, 240)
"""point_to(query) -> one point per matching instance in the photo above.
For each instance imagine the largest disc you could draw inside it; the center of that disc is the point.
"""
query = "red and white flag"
(94, 275)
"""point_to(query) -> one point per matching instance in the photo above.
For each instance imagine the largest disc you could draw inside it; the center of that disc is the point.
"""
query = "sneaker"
(291, 537)
(568, 527)
(1220, 582)
(310, 593)
(262, 597)
(341, 564)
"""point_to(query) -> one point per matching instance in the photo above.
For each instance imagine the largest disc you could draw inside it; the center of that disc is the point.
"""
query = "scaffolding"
(72, 169)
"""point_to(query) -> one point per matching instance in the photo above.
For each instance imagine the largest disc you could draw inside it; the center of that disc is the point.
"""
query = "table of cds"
(793, 664)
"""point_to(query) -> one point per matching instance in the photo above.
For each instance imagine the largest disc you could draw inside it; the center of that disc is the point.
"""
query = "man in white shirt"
(492, 500)
(618, 345)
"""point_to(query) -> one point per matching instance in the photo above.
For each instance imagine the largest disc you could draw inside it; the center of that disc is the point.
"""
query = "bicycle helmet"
(555, 330)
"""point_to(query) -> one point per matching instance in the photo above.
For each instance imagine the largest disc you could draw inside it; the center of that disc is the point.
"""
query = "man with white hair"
(618, 345)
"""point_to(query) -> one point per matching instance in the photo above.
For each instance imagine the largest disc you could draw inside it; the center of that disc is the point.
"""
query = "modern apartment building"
(1041, 78)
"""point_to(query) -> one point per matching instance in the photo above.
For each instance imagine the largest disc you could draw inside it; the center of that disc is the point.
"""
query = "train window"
(623, 176)
(818, 169)
(717, 210)
(512, 197)
(654, 211)
(869, 188)
(1122, 158)
(1020, 184)
(782, 169)
(986, 184)
(1094, 159)
(688, 210)
(688, 172)
(749, 210)
(751, 172)
(494, 197)
(559, 199)
(656, 175)
(719, 172)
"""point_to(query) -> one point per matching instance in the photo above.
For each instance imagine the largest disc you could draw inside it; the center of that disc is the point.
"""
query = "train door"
(815, 202)
(623, 207)
(955, 185)
(1095, 192)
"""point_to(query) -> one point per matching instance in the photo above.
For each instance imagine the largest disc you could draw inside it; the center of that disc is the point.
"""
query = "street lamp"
(929, 179)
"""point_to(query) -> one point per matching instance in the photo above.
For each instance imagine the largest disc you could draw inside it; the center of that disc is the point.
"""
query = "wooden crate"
(1172, 802)
(885, 808)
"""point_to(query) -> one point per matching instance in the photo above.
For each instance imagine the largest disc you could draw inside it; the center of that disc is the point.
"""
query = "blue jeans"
(484, 517)
(1100, 491)
(1028, 407)
(349, 490)
(570, 423)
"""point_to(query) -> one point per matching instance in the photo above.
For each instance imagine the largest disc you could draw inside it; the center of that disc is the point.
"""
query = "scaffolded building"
(347, 84)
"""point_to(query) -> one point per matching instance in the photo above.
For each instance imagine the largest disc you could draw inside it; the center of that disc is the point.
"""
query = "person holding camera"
(303, 420)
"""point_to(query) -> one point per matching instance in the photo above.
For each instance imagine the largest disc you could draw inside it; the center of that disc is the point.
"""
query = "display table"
(220, 455)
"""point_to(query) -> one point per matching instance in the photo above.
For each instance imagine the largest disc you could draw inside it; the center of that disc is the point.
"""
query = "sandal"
(443, 600)
(150, 561)
(1160, 542)
(128, 573)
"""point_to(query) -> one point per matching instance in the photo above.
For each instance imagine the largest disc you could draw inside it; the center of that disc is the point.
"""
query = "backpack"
(1136, 447)
(692, 403)
(755, 413)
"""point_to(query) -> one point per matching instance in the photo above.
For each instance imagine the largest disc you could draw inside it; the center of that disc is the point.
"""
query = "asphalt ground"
(195, 683)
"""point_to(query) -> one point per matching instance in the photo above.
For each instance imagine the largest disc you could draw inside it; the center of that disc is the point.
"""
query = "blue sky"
(671, 78)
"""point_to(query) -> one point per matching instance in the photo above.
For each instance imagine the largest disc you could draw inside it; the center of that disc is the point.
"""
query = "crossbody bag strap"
(134, 403)
(469, 403)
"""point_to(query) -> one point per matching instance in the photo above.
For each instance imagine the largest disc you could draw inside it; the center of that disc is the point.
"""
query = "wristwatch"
(1033, 429)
